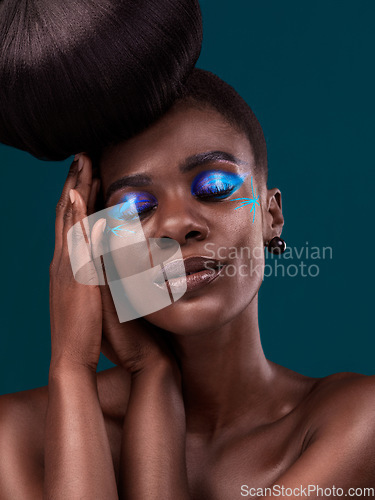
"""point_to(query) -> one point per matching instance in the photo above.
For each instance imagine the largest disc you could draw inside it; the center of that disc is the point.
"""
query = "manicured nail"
(72, 195)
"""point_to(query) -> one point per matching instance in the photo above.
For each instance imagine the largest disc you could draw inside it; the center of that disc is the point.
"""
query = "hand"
(135, 344)
(75, 309)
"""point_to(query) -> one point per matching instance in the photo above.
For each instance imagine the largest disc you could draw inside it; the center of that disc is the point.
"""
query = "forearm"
(153, 464)
(78, 461)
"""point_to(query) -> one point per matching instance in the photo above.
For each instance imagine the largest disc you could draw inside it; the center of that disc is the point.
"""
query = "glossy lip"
(199, 271)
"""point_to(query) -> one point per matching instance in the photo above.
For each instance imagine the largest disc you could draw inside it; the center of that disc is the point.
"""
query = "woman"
(193, 409)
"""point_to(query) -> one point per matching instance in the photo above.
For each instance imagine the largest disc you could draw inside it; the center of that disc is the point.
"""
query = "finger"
(64, 203)
(78, 244)
(98, 248)
(93, 196)
(84, 180)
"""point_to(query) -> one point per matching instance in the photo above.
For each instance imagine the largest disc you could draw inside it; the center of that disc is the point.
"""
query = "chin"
(195, 315)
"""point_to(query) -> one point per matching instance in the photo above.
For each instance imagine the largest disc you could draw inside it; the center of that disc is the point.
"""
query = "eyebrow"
(136, 180)
(200, 159)
(194, 161)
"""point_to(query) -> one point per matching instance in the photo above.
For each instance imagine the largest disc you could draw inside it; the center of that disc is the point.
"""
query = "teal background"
(307, 71)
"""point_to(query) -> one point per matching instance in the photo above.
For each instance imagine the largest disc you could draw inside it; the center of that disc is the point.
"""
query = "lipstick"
(191, 273)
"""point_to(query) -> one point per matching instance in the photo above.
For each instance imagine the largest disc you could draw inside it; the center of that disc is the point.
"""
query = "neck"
(224, 372)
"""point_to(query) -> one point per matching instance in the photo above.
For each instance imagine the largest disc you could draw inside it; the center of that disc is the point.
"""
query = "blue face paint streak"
(216, 184)
(249, 201)
(132, 206)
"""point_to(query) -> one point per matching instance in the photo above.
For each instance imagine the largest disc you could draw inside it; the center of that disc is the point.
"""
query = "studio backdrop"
(307, 71)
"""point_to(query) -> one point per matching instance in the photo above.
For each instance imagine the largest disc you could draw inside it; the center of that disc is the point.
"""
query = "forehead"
(181, 133)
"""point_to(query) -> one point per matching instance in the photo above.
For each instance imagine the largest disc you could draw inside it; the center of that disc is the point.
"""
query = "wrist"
(63, 367)
(158, 367)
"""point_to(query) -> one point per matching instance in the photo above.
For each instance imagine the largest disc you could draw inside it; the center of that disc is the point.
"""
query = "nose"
(179, 220)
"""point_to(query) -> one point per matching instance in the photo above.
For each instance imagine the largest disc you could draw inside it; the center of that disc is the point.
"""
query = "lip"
(188, 274)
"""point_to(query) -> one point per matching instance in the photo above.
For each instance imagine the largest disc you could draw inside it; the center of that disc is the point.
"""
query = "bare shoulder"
(342, 414)
(21, 443)
(25, 411)
(22, 425)
(338, 414)
(345, 393)
(21, 414)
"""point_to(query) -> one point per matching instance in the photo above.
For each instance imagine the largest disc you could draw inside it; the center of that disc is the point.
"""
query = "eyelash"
(215, 192)
(140, 208)
(132, 214)
(215, 185)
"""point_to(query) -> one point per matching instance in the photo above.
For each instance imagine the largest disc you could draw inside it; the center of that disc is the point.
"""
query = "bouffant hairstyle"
(76, 75)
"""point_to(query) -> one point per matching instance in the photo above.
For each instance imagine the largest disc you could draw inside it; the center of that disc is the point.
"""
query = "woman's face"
(192, 178)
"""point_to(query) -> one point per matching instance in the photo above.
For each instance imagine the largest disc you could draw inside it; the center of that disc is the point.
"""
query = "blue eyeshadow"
(216, 184)
(132, 205)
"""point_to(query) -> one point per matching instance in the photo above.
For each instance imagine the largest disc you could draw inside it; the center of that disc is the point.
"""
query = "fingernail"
(80, 163)
(104, 225)
(76, 158)
(72, 195)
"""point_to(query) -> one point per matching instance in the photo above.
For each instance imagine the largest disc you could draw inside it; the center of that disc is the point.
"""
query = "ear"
(273, 220)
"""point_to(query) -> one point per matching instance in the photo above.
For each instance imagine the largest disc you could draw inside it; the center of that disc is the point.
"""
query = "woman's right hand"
(77, 454)
(75, 308)
(135, 344)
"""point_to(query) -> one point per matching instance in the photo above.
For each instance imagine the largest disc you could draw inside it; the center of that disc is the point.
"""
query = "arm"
(153, 444)
(154, 435)
(341, 448)
(78, 461)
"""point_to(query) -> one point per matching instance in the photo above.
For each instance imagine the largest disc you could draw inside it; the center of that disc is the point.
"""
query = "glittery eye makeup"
(216, 184)
(132, 206)
(252, 202)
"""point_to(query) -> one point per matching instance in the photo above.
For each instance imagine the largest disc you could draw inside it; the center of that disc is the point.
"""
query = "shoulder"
(24, 409)
(22, 425)
(339, 444)
(20, 411)
(342, 416)
(21, 442)
(346, 394)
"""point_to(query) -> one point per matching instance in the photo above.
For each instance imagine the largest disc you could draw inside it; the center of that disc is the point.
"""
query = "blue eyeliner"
(216, 184)
(253, 202)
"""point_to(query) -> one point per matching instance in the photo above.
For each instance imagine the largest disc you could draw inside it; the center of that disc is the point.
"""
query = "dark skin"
(193, 410)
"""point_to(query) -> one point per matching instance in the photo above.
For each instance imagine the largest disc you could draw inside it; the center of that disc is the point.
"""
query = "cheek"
(241, 245)
(241, 227)
(129, 254)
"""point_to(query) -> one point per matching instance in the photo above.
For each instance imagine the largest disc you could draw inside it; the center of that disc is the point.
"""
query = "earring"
(276, 245)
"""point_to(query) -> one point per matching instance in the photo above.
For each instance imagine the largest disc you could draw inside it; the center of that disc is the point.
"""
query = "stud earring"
(277, 245)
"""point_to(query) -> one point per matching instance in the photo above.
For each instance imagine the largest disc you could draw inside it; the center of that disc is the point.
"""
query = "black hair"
(203, 88)
(76, 75)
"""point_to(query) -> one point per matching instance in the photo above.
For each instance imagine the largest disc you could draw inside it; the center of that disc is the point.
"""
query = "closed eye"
(215, 192)
(215, 184)
(134, 205)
